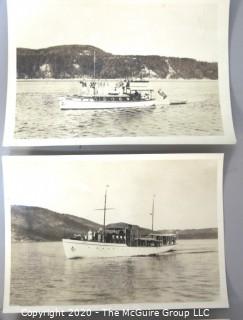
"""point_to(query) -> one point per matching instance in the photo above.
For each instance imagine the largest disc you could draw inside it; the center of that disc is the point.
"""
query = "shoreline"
(55, 241)
(111, 80)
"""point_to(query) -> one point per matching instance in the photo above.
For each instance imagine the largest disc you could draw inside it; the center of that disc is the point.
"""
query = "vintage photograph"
(118, 72)
(120, 231)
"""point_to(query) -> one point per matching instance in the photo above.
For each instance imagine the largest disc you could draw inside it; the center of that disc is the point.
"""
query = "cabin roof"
(114, 228)
(109, 95)
(163, 234)
(147, 239)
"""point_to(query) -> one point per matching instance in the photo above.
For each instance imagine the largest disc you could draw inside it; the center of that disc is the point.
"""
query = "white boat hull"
(90, 249)
(79, 104)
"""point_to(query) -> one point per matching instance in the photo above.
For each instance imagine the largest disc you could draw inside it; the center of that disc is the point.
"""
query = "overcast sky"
(182, 28)
(186, 190)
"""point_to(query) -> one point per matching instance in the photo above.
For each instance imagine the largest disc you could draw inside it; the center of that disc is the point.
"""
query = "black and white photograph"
(114, 231)
(118, 72)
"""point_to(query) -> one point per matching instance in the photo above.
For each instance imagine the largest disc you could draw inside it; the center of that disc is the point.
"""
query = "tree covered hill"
(76, 61)
(39, 224)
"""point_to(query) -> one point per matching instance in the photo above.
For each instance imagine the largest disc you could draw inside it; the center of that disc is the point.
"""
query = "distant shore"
(117, 79)
(39, 224)
(77, 61)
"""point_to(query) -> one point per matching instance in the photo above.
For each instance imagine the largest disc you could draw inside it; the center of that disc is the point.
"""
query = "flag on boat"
(162, 94)
(83, 83)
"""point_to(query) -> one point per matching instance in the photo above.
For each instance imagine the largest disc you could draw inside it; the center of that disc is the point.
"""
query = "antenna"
(105, 209)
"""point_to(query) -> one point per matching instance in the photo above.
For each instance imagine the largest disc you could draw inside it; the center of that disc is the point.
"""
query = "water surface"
(38, 115)
(41, 275)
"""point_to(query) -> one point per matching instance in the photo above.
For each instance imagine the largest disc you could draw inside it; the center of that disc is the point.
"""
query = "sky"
(185, 190)
(182, 28)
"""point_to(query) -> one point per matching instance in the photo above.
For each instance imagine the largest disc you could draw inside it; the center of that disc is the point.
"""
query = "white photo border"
(222, 302)
(228, 136)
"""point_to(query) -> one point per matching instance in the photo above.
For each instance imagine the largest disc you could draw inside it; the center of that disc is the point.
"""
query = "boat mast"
(106, 189)
(94, 83)
(152, 213)
(104, 210)
(94, 65)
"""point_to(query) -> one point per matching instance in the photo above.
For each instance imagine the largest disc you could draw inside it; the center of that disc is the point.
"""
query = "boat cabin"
(107, 98)
(130, 236)
(127, 90)
(164, 239)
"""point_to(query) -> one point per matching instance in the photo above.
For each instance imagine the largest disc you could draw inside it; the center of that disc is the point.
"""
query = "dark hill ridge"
(76, 61)
(39, 224)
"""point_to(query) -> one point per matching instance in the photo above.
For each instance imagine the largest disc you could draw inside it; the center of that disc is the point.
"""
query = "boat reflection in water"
(121, 240)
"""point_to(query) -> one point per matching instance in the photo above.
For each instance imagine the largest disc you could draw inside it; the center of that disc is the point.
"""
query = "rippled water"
(38, 114)
(41, 275)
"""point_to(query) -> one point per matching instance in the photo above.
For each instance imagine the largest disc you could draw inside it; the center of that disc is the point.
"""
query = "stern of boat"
(62, 102)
